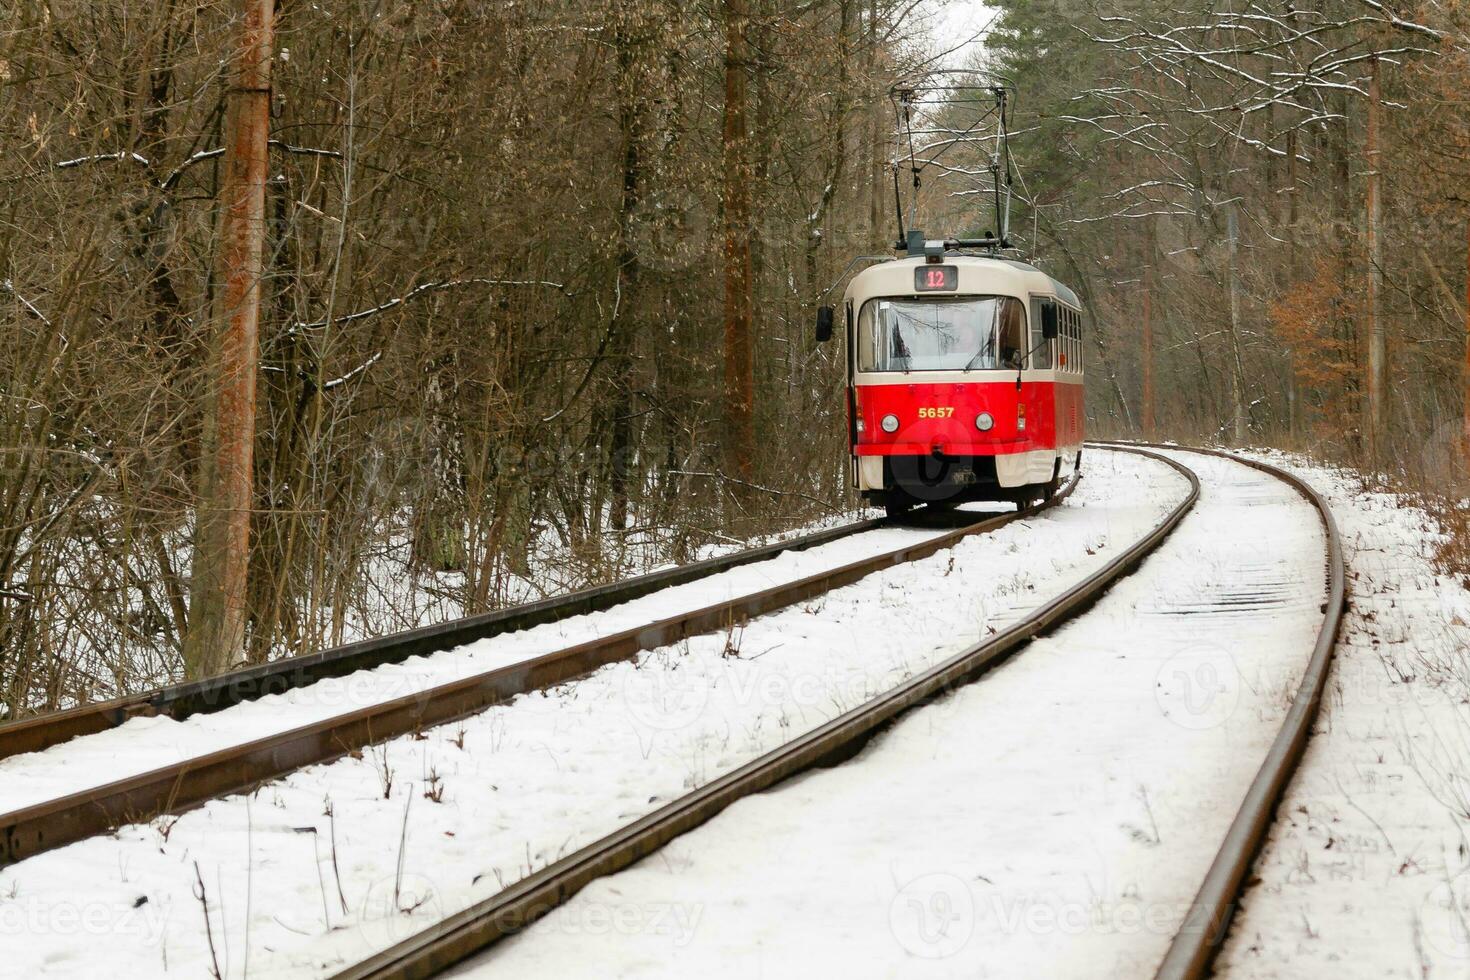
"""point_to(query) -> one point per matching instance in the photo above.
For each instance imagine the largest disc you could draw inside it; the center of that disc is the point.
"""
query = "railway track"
(178, 787)
(462, 935)
(180, 701)
(1193, 947)
(1205, 926)
(514, 908)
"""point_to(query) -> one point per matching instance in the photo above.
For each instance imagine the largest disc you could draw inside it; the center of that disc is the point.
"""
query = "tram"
(964, 376)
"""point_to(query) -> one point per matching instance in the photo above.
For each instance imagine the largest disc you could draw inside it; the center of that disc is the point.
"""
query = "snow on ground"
(144, 744)
(1052, 820)
(1367, 870)
(335, 861)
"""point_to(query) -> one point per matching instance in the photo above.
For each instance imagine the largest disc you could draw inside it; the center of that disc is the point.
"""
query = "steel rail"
(181, 786)
(511, 910)
(180, 701)
(1206, 925)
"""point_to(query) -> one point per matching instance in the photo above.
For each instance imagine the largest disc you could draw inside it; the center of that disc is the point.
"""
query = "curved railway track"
(512, 909)
(1205, 926)
(181, 786)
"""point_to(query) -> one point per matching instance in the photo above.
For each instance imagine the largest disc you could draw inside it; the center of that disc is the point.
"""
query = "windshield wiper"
(982, 352)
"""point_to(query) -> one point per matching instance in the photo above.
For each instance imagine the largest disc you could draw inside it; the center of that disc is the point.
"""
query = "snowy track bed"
(335, 861)
(1366, 872)
(143, 744)
(1054, 820)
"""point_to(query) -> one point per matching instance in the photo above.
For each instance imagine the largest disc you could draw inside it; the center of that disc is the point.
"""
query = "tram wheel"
(1032, 494)
(1050, 487)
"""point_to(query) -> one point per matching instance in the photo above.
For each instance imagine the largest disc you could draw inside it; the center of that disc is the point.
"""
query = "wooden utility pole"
(1148, 353)
(1293, 276)
(1465, 377)
(1377, 341)
(739, 344)
(217, 604)
(1237, 366)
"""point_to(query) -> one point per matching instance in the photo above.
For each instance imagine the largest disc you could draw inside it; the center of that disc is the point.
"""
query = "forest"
(535, 283)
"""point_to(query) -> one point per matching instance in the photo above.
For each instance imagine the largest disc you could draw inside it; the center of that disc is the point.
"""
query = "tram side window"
(1064, 339)
(1012, 332)
(1072, 341)
(1041, 355)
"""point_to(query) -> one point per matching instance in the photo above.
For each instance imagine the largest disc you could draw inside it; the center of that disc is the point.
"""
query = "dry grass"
(1442, 482)
(1435, 478)
(1452, 554)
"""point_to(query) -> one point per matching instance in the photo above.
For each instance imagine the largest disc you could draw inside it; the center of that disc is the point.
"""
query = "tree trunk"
(439, 524)
(739, 346)
(1465, 377)
(879, 142)
(1351, 388)
(761, 147)
(836, 157)
(1147, 354)
(222, 535)
(1377, 341)
(629, 300)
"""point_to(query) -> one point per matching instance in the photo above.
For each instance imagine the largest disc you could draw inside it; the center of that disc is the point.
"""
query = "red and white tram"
(964, 377)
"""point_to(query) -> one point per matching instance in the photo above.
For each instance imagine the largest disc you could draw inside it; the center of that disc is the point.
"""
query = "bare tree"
(739, 344)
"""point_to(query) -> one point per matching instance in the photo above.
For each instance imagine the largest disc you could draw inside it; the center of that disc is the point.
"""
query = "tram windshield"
(951, 333)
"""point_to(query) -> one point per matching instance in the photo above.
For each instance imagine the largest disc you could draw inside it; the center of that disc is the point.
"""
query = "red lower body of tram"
(943, 443)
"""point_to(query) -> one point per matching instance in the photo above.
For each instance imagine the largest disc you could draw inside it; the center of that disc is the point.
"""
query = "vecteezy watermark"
(933, 916)
(1050, 914)
(676, 920)
(1442, 456)
(936, 915)
(31, 918)
(398, 906)
(1199, 687)
(665, 696)
(670, 229)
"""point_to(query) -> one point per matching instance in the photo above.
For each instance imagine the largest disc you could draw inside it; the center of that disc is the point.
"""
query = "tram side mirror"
(824, 324)
(1050, 321)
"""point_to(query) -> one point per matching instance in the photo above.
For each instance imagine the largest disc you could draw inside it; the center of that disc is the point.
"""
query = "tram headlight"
(889, 423)
(984, 422)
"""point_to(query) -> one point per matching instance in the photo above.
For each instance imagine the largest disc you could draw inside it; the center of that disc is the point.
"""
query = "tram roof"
(1022, 275)
(1063, 291)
